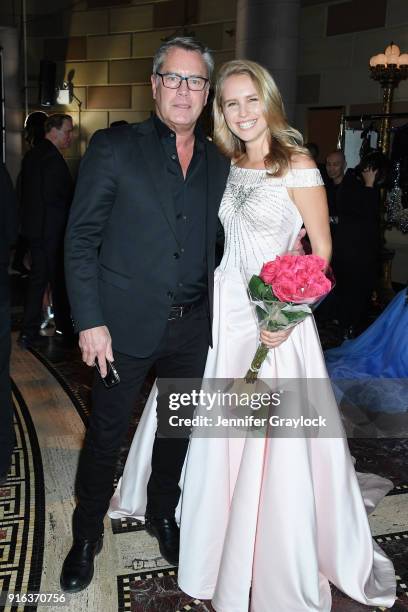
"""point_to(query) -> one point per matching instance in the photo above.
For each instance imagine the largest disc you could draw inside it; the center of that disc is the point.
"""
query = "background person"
(356, 244)
(46, 191)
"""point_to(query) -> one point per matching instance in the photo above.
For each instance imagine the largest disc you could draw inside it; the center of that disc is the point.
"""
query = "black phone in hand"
(112, 377)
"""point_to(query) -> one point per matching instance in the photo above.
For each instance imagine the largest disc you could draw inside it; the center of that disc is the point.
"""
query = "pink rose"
(268, 272)
(297, 278)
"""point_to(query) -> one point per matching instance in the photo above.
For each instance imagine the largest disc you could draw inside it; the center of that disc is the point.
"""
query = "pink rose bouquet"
(285, 292)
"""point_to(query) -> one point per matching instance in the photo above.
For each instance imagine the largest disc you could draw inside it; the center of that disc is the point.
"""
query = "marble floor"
(51, 395)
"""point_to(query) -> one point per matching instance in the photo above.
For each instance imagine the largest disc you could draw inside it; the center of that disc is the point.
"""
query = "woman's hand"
(369, 177)
(275, 339)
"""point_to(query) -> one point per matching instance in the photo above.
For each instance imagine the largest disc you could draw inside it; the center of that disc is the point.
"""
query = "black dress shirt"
(190, 207)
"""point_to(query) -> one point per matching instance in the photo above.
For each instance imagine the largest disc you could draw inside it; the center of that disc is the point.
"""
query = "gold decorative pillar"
(388, 68)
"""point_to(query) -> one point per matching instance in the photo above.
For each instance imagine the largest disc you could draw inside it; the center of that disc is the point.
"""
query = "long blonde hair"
(284, 139)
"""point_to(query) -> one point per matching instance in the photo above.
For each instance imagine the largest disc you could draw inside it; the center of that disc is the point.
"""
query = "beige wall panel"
(216, 10)
(130, 71)
(210, 34)
(175, 13)
(325, 54)
(142, 98)
(373, 42)
(397, 12)
(146, 43)
(79, 23)
(215, 35)
(88, 73)
(129, 116)
(228, 35)
(313, 22)
(339, 87)
(111, 96)
(133, 18)
(108, 47)
(220, 57)
(92, 121)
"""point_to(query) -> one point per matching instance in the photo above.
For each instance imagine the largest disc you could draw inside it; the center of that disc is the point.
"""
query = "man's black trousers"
(47, 266)
(181, 353)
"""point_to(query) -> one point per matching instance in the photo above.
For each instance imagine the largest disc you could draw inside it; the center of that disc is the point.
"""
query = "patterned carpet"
(22, 508)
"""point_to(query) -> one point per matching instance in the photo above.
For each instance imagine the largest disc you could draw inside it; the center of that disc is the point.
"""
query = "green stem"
(259, 358)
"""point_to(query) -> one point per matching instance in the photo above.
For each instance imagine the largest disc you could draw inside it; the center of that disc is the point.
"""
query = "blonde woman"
(267, 522)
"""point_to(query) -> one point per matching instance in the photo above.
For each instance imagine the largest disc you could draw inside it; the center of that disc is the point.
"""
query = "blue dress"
(378, 358)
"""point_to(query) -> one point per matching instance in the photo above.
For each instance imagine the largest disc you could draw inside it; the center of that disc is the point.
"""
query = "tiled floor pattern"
(22, 509)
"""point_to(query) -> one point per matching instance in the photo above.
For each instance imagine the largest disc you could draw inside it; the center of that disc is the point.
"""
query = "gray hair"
(188, 44)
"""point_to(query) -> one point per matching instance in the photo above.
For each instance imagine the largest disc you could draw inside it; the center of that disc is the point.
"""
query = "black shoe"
(168, 535)
(78, 569)
(25, 341)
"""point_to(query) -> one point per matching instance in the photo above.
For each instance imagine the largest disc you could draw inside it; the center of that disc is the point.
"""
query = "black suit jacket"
(46, 192)
(121, 237)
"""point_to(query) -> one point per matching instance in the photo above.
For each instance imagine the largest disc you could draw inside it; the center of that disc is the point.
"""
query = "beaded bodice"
(259, 218)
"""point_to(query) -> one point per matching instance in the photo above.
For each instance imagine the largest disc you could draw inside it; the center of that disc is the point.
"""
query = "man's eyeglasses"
(174, 81)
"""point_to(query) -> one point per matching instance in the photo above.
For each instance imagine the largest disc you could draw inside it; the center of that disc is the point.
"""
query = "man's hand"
(96, 342)
(275, 339)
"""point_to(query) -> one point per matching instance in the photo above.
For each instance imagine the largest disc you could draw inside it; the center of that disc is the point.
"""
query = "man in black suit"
(8, 226)
(46, 193)
(140, 251)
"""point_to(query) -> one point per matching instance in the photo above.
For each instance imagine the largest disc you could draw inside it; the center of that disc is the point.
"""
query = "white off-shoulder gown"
(266, 523)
